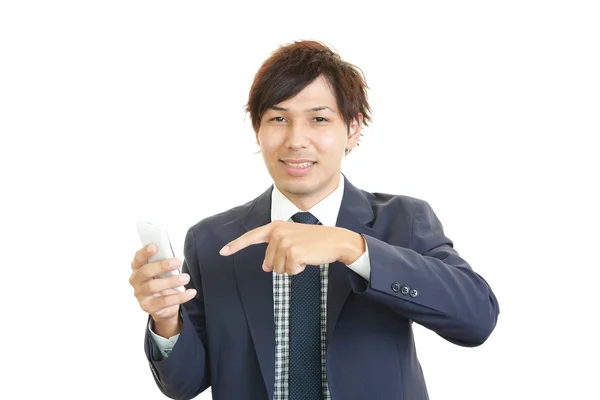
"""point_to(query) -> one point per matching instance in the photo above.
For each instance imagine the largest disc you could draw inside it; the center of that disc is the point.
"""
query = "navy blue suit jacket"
(228, 337)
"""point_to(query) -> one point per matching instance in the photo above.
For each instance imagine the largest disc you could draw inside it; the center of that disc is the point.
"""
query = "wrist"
(352, 246)
(167, 328)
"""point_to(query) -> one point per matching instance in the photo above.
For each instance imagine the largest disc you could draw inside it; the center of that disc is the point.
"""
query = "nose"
(297, 137)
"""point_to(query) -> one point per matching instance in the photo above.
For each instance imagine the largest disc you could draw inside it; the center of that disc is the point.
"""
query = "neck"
(305, 202)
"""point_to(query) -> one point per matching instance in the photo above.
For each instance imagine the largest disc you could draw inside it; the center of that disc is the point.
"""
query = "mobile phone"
(153, 233)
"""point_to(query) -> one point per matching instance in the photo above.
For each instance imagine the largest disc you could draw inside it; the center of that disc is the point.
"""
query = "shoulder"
(213, 224)
(404, 218)
(395, 203)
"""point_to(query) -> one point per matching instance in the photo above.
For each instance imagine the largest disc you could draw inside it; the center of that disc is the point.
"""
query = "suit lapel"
(256, 290)
(355, 214)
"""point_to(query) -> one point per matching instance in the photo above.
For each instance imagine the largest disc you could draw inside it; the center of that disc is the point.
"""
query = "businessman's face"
(303, 142)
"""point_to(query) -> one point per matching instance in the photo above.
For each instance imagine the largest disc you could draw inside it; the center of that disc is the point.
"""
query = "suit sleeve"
(430, 283)
(164, 345)
(184, 373)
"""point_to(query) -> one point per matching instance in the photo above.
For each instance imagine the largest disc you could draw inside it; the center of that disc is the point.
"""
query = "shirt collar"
(326, 211)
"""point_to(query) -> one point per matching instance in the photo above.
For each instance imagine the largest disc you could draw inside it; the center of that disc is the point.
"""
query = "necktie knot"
(305, 218)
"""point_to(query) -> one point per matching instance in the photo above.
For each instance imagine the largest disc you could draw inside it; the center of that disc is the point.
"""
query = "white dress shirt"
(326, 211)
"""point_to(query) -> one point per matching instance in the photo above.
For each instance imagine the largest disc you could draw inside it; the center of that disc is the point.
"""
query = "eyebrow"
(320, 108)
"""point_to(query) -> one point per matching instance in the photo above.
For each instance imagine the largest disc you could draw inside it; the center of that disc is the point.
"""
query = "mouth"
(297, 168)
(298, 165)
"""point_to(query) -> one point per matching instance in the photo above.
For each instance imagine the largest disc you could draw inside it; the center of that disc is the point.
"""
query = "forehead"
(316, 94)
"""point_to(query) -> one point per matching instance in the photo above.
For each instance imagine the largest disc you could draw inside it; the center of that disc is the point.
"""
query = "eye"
(277, 119)
(321, 119)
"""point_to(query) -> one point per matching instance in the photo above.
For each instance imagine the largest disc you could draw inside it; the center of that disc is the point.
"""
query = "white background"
(116, 110)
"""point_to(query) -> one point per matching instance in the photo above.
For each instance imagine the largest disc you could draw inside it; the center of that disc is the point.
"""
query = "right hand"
(157, 296)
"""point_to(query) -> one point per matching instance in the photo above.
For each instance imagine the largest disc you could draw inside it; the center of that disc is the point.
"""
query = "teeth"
(303, 165)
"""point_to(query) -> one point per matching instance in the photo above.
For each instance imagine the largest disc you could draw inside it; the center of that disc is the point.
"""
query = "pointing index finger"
(255, 236)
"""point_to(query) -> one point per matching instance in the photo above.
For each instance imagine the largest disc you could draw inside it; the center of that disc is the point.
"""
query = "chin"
(297, 186)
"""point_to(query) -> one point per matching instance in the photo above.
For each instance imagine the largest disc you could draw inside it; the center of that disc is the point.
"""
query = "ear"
(354, 132)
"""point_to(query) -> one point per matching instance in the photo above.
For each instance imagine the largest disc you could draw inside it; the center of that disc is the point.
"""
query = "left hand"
(293, 246)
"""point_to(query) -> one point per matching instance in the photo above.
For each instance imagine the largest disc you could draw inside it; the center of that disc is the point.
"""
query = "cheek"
(333, 142)
(269, 144)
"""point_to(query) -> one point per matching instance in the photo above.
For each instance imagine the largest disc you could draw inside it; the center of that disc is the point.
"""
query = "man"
(310, 290)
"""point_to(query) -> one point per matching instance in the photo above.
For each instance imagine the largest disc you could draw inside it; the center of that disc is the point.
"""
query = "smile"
(298, 169)
(299, 165)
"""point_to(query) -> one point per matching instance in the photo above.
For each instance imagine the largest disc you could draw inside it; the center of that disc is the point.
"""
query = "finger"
(294, 264)
(280, 256)
(272, 248)
(167, 291)
(142, 255)
(255, 236)
(153, 305)
(267, 265)
(152, 270)
(160, 286)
